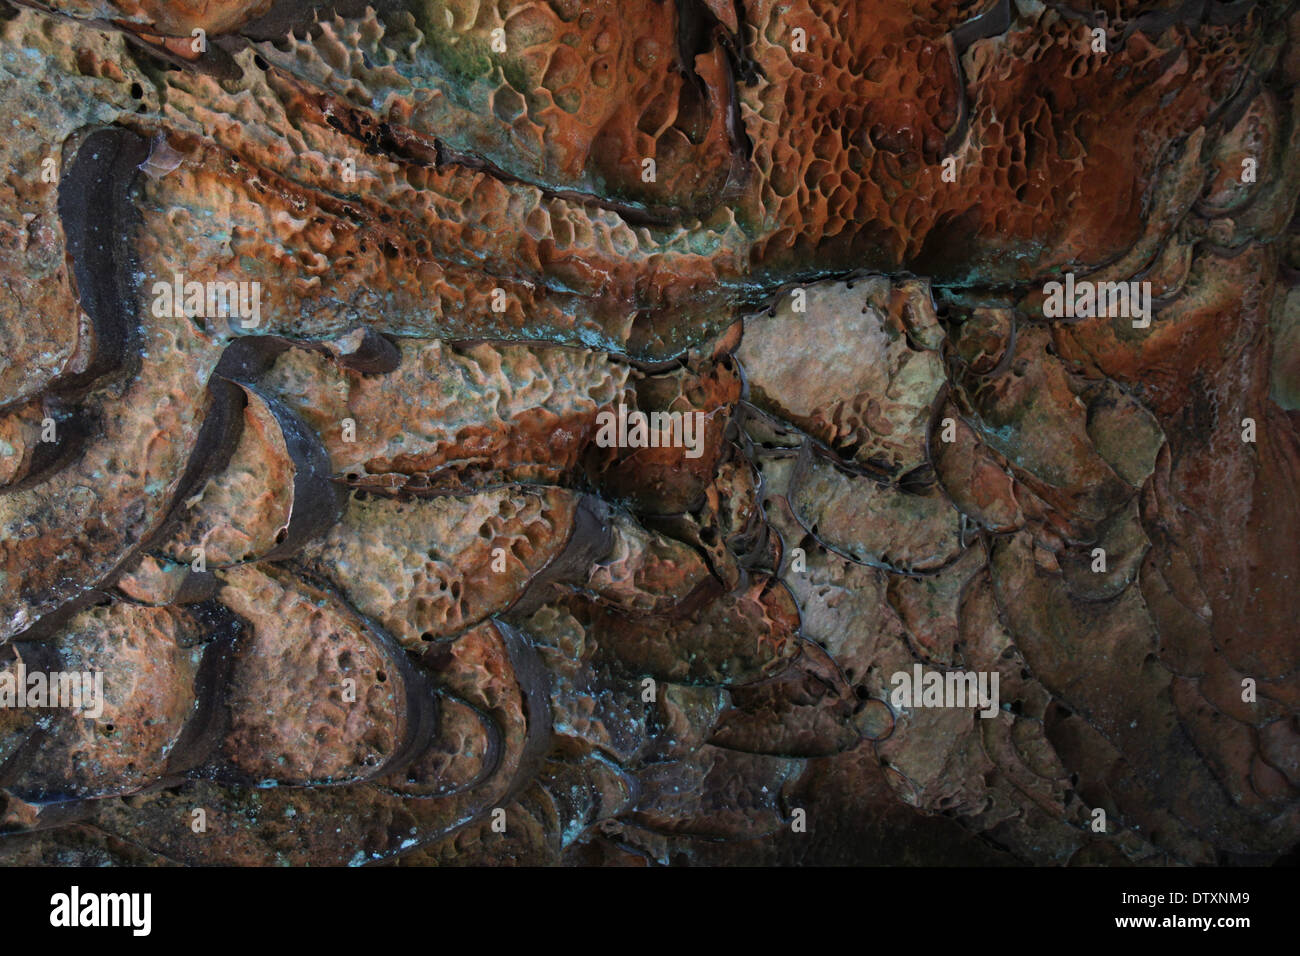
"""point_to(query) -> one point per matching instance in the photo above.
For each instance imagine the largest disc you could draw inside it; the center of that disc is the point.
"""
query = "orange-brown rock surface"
(316, 319)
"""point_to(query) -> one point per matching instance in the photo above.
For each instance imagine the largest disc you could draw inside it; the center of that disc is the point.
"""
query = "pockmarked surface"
(649, 432)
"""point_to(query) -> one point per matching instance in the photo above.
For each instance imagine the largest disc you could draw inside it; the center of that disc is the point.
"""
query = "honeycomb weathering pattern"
(364, 586)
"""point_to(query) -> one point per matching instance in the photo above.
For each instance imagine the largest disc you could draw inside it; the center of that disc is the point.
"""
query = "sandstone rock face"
(448, 432)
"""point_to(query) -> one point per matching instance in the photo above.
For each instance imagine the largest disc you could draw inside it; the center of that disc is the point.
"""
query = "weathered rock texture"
(365, 585)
